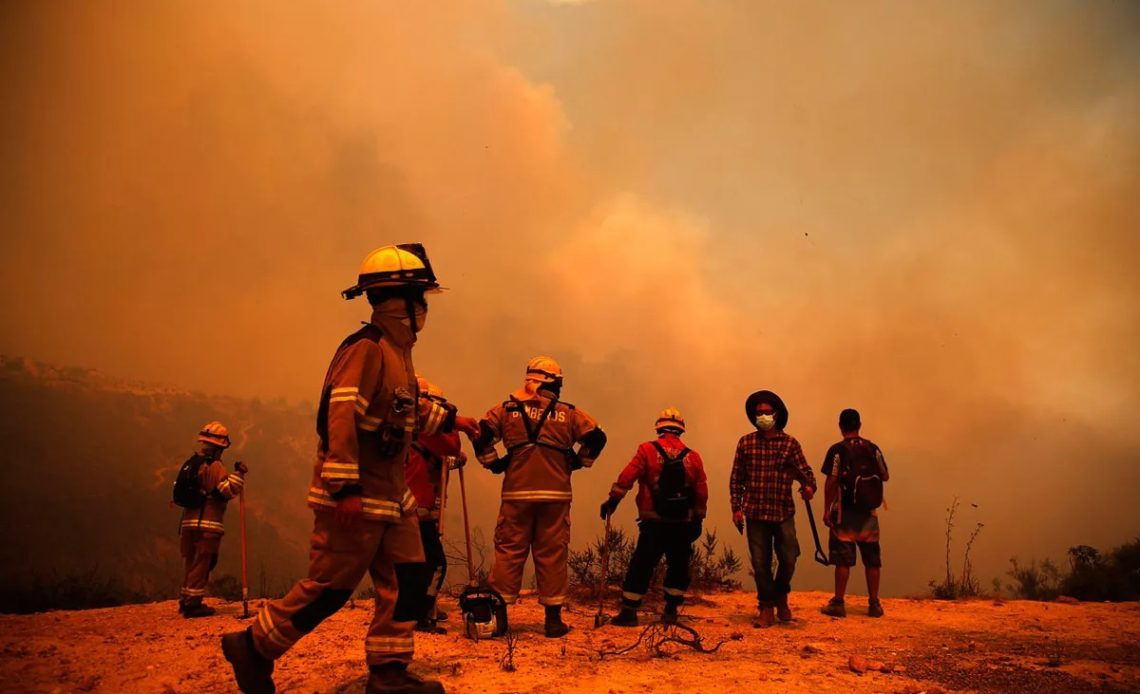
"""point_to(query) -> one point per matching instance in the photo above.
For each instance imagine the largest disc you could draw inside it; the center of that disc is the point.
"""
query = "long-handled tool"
(484, 610)
(244, 563)
(820, 555)
(601, 617)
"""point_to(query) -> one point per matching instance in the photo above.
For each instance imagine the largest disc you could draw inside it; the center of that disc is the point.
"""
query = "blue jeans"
(766, 538)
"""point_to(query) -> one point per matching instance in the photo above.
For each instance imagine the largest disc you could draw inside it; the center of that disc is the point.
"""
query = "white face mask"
(765, 421)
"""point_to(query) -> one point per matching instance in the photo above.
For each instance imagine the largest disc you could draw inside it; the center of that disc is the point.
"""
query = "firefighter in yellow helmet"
(539, 432)
(672, 499)
(364, 522)
(202, 489)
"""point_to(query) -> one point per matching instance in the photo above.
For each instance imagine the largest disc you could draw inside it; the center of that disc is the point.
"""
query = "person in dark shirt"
(760, 488)
(852, 524)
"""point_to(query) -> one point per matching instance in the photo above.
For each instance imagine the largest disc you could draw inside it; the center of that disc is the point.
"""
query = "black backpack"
(188, 491)
(673, 497)
(860, 476)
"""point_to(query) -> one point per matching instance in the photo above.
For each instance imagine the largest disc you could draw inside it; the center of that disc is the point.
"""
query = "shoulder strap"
(668, 458)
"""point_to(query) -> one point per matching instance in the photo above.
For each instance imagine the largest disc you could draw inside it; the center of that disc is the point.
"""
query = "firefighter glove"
(609, 506)
(696, 529)
(240, 467)
(500, 466)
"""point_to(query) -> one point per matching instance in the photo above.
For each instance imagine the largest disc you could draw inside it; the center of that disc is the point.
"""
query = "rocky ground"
(921, 645)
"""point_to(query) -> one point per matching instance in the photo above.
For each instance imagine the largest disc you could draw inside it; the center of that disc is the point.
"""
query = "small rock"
(900, 668)
(887, 667)
(1068, 600)
(812, 649)
(875, 665)
(911, 688)
(973, 646)
(857, 663)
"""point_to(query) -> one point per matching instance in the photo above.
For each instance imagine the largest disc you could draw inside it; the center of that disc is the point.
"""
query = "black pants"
(763, 538)
(436, 566)
(674, 540)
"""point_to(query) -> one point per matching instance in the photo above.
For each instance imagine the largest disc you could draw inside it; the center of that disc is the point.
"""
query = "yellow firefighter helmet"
(402, 265)
(215, 433)
(670, 418)
(543, 370)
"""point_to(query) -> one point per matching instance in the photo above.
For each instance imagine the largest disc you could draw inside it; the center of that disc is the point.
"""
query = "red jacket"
(424, 468)
(645, 469)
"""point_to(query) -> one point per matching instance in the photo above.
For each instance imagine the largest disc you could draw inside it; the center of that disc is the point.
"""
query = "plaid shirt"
(762, 474)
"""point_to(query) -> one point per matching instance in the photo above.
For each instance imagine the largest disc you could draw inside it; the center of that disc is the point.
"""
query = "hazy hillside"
(104, 455)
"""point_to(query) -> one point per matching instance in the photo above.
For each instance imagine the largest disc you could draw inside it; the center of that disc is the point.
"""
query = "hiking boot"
(554, 627)
(394, 678)
(198, 610)
(429, 627)
(765, 617)
(669, 616)
(253, 671)
(626, 618)
(834, 608)
(874, 608)
(783, 612)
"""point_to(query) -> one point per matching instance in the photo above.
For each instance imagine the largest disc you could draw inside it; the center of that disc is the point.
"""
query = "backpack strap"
(668, 458)
(532, 431)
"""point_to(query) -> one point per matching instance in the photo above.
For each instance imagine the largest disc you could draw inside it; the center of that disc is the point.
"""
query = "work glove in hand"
(457, 461)
(608, 507)
(500, 466)
(240, 467)
(696, 529)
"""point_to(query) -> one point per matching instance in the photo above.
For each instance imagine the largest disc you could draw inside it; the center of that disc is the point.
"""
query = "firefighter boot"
(783, 612)
(253, 671)
(555, 628)
(195, 610)
(626, 618)
(394, 678)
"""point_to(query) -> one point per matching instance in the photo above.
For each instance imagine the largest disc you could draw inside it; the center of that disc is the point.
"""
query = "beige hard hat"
(215, 433)
(402, 265)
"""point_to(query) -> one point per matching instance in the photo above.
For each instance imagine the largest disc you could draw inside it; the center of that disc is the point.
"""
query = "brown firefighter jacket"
(219, 487)
(369, 412)
(540, 454)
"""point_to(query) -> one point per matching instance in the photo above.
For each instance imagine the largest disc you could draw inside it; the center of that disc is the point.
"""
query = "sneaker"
(874, 608)
(394, 678)
(626, 618)
(834, 608)
(765, 617)
(783, 612)
(253, 671)
(198, 610)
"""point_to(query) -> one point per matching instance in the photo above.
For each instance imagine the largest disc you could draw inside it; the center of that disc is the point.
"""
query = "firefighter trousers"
(436, 567)
(200, 554)
(656, 538)
(338, 559)
(538, 528)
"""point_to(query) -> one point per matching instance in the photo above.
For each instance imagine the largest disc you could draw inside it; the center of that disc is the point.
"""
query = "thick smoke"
(927, 213)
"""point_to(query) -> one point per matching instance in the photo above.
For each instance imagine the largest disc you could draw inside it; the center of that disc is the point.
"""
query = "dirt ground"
(983, 646)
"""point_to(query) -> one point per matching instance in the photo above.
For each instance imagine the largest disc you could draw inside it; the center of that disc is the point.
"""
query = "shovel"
(820, 555)
(244, 571)
(601, 617)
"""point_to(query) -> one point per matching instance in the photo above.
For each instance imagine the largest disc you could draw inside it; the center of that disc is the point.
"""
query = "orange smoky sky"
(925, 211)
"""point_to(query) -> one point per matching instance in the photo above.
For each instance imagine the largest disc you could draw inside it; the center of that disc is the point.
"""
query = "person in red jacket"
(672, 499)
(428, 457)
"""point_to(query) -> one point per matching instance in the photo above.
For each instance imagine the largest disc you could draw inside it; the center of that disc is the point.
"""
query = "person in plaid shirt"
(760, 487)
